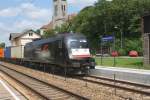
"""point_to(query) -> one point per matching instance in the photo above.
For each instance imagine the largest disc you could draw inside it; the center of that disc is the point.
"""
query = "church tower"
(60, 12)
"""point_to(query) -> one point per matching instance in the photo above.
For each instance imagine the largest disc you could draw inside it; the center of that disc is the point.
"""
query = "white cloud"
(9, 12)
(24, 16)
(27, 10)
(26, 24)
(81, 3)
(27, 15)
(4, 36)
(34, 12)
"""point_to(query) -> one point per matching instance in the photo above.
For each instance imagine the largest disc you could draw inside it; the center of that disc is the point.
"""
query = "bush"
(133, 53)
(134, 44)
(128, 45)
(122, 52)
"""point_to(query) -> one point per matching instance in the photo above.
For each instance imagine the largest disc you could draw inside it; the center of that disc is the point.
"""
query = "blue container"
(7, 52)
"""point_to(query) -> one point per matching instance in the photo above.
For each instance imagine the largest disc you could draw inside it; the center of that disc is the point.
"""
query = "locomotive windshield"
(78, 43)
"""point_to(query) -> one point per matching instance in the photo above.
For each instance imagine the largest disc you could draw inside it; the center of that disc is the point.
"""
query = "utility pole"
(121, 38)
(101, 47)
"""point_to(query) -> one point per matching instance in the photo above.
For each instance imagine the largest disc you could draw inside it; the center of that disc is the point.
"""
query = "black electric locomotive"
(66, 51)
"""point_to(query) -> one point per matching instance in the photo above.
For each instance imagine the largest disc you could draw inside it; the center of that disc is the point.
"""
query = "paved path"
(133, 75)
(9, 93)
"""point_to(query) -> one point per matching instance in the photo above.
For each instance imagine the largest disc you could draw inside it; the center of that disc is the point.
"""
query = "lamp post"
(121, 37)
(101, 47)
(115, 47)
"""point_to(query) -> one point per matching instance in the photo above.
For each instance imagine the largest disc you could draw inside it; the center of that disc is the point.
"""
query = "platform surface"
(9, 93)
(127, 74)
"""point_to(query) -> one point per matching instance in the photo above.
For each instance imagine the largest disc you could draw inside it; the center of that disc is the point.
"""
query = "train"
(68, 52)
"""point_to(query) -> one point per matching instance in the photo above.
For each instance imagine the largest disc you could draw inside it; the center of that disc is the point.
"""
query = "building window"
(64, 7)
(30, 34)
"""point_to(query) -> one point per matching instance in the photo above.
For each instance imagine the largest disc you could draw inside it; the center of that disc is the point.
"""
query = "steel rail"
(120, 81)
(53, 86)
(19, 82)
(116, 86)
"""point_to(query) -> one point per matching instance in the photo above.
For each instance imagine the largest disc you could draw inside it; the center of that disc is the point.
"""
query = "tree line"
(105, 18)
(2, 45)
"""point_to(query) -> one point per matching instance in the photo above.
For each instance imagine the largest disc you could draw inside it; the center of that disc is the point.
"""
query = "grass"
(126, 62)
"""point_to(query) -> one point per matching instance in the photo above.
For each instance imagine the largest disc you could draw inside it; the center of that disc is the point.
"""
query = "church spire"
(60, 12)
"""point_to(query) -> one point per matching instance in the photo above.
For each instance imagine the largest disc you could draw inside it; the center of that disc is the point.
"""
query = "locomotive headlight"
(76, 64)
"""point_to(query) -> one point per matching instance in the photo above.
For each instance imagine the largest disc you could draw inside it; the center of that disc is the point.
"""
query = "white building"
(20, 39)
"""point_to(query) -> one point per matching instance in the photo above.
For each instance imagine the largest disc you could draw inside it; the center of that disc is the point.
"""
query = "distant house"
(18, 39)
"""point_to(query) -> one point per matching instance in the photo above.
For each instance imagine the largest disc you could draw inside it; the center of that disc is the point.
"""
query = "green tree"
(102, 18)
(2, 45)
(49, 33)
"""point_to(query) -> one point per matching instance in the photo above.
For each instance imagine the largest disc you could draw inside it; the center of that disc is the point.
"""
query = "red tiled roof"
(48, 26)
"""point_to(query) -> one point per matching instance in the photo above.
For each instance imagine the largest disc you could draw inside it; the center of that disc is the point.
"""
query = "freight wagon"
(17, 52)
(7, 52)
(1, 52)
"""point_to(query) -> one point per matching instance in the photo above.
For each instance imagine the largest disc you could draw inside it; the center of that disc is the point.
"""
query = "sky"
(18, 15)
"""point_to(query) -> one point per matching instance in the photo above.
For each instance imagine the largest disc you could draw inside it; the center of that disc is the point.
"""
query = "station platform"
(127, 74)
(9, 93)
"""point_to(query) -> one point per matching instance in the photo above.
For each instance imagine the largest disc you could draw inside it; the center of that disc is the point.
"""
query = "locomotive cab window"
(78, 43)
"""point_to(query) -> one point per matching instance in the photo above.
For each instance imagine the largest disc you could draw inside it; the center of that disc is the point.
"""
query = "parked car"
(133, 53)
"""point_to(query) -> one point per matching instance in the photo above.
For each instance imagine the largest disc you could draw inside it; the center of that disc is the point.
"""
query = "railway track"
(120, 81)
(127, 87)
(44, 90)
(118, 84)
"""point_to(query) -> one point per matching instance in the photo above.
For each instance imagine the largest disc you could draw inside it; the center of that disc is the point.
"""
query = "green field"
(126, 62)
